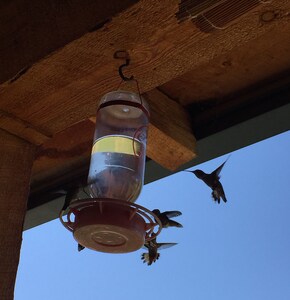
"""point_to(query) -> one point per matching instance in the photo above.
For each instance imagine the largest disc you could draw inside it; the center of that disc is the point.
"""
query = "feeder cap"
(109, 227)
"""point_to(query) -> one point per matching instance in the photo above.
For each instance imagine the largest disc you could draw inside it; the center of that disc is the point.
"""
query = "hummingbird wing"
(162, 246)
(172, 213)
(218, 170)
(172, 223)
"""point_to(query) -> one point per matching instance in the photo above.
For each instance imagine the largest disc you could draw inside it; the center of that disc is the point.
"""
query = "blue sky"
(238, 250)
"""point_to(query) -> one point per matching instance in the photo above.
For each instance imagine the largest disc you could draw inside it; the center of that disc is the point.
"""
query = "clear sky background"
(238, 250)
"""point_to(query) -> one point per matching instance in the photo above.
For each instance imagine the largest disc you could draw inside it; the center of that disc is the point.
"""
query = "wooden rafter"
(171, 142)
(65, 87)
(31, 30)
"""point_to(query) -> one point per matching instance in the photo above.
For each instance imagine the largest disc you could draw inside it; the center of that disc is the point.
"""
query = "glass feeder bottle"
(119, 150)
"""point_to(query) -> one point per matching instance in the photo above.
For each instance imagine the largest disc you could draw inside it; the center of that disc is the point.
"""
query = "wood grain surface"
(65, 87)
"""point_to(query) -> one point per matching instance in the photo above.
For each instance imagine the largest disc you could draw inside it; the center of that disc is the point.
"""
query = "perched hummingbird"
(213, 181)
(165, 218)
(70, 195)
(73, 194)
(153, 253)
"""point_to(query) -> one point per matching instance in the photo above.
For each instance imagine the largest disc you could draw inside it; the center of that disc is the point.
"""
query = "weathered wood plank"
(67, 150)
(65, 87)
(16, 157)
(22, 129)
(30, 30)
(251, 63)
(171, 142)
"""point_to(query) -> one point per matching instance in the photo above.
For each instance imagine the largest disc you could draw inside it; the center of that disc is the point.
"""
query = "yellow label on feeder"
(117, 144)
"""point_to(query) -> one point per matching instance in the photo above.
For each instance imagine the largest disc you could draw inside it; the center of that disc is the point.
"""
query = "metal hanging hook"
(122, 54)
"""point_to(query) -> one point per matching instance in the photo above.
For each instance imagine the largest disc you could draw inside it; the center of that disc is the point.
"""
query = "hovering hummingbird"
(213, 181)
(165, 218)
(153, 253)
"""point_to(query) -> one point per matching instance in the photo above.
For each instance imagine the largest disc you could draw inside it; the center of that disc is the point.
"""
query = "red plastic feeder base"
(112, 226)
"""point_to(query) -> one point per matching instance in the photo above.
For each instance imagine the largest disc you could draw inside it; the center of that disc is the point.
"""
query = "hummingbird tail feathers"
(80, 247)
(217, 194)
(149, 260)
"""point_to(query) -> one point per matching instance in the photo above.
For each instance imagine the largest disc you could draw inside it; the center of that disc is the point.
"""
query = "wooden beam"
(31, 30)
(171, 142)
(66, 151)
(65, 87)
(22, 129)
(236, 70)
(16, 157)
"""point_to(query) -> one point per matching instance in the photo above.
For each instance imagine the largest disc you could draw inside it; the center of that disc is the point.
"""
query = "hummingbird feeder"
(110, 221)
